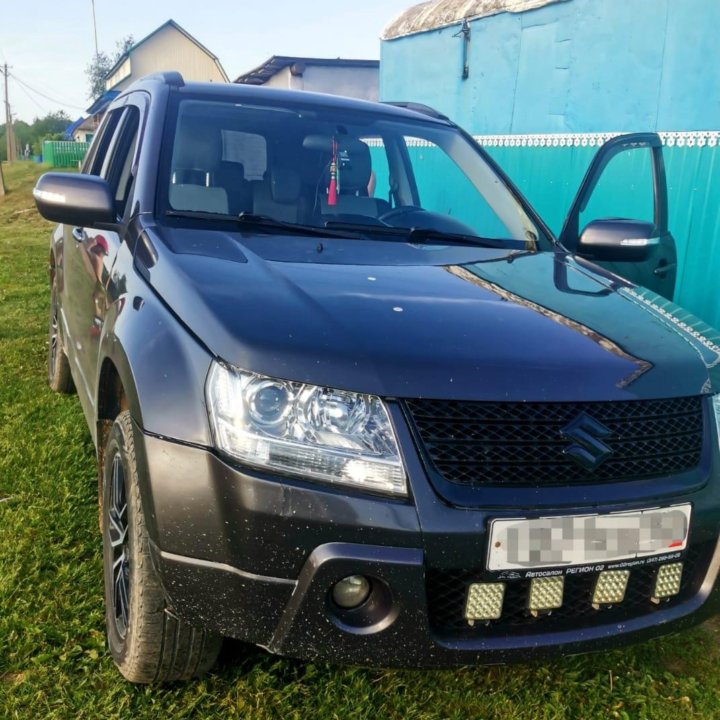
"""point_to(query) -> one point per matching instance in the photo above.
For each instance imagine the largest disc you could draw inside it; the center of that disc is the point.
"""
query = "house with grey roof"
(336, 76)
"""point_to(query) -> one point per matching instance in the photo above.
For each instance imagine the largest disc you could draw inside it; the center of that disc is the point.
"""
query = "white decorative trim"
(699, 138)
(698, 331)
(694, 138)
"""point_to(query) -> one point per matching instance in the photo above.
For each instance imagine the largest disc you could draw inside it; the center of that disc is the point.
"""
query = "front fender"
(161, 365)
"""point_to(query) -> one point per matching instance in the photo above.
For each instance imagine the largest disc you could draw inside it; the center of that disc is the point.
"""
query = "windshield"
(335, 167)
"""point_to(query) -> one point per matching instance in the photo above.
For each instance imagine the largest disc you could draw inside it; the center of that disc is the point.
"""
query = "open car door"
(621, 207)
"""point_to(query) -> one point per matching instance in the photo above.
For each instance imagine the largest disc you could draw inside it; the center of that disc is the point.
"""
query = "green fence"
(64, 154)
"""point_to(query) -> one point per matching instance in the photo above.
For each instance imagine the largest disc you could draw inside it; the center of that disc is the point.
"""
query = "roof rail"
(170, 77)
(418, 108)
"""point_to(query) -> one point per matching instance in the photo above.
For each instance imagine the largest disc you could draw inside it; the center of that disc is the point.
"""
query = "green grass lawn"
(53, 661)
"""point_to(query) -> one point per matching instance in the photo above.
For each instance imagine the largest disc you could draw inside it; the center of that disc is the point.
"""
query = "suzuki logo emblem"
(587, 448)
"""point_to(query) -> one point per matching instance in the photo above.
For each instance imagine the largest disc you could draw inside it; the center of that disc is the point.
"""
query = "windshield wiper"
(263, 222)
(422, 235)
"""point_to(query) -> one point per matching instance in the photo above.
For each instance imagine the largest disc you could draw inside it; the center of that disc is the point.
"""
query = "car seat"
(196, 158)
(354, 170)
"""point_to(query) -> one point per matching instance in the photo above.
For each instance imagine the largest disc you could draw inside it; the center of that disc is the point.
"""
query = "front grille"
(447, 592)
(522, 444)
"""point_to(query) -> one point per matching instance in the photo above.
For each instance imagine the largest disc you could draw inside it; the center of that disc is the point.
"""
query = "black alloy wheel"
(118, 532)
(148, 640)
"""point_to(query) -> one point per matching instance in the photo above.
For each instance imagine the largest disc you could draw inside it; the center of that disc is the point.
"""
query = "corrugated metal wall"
(579, 66)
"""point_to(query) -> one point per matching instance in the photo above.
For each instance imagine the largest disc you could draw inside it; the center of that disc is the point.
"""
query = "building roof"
(89, 123)
(440, 13)
(72, 127)
(262, 73)
(170, 23)
(101, 103)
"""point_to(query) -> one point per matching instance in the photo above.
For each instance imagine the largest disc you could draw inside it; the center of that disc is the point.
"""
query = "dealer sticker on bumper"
(569, 540)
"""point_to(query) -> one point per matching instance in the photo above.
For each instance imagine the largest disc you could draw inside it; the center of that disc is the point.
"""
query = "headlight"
(330, 435)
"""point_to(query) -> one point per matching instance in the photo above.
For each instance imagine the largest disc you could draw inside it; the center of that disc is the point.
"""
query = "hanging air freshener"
(332, 189)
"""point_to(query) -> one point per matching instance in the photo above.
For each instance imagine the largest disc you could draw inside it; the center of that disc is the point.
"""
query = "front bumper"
(252, 557)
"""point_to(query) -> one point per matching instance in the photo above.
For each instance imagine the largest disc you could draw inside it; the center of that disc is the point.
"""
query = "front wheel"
(148, 642)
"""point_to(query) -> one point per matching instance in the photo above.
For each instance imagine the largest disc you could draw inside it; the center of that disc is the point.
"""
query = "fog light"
(484, 601)
(546, 593)
(351, 591)
(667, 582)
(610, 587)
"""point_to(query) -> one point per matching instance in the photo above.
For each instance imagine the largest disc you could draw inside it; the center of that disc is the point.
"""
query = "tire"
(58, 366)
(148, 642)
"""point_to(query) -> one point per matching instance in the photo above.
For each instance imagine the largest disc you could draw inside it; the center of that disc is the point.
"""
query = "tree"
(101, 65)
(96, 72)
(49, 127)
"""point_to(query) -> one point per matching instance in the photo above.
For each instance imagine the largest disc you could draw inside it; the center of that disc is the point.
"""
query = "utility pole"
(94, 27)
(9, 134)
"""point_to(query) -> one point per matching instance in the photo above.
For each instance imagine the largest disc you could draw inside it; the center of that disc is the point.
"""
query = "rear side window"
(117, 169)
(121, 174)
(98, 155)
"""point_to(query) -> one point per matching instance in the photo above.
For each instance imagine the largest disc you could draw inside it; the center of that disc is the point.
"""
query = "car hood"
(400, 320)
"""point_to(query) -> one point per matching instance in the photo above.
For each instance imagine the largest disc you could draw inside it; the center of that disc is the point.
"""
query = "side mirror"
(617, 240)
(72, 199)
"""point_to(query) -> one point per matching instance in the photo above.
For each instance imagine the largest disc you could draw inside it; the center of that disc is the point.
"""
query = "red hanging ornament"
(332, 189)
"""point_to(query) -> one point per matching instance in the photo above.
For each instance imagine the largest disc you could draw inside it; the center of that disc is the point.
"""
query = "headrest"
(354, 168)
(285, 185)
(354, 163)
(232, 171)
(198, 145)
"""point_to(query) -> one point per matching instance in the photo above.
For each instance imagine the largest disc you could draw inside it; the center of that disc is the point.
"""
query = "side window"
(379, 185)
(100, 148)
(118, 170)
(624, 189)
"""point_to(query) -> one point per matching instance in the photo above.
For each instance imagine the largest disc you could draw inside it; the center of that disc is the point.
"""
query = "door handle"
(78, 234)
(663, 270)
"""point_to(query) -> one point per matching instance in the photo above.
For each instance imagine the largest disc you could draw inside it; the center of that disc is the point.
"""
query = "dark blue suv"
(353, 400)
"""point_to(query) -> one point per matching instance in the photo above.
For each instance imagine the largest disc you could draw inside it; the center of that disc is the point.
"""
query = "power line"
(43, 95)
(32, 99)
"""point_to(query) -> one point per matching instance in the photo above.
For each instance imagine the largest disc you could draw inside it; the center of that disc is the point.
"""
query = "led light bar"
(546, 593)
(610, 587)
(484, 601)
(667, 581)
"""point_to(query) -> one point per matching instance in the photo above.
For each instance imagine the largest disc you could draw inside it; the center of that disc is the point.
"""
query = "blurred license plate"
(584, 539)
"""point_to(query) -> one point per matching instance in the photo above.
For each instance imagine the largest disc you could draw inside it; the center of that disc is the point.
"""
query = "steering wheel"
(398, 212)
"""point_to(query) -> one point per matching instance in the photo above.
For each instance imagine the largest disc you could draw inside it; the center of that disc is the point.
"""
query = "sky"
(49, 43)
